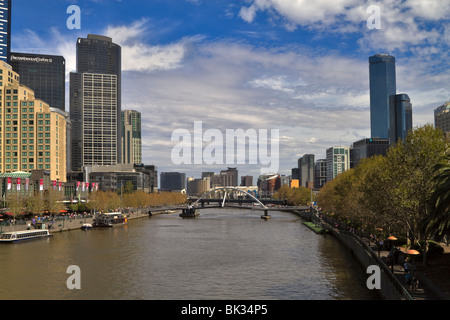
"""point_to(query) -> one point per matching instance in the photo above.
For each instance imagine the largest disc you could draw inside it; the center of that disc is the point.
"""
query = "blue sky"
(294, 65)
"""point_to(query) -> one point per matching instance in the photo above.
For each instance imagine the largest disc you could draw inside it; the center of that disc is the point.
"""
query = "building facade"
(382, 81)
(33, 135)
(338, 161)
(320, 173)
(442, 118)
(131, 137)
(5, 30)
(173, 181)
(95, 91)
(93, 113)
(400, 117)
(366, 148)
(44, 74)
(306, 170)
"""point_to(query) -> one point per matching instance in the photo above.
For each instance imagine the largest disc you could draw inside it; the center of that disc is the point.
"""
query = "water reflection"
(223, 254)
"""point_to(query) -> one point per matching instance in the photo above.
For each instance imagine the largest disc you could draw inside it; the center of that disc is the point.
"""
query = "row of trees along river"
(51, 202)
(405, 193)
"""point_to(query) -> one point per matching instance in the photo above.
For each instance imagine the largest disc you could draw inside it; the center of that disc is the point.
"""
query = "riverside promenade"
(68, 223)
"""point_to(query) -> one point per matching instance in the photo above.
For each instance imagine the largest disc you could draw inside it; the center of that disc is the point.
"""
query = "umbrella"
(412, 251)
(392, 238)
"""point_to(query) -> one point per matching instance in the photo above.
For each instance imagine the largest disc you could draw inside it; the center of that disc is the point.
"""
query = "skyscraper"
(95, 106)
(382, 82)
(131, 137)
(5, 30)
(44, 74)
(306, 170)
(400, 117)
(442, 118)
(338, 161)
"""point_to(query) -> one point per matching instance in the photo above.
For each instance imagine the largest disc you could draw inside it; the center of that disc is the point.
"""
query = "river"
(221, 254)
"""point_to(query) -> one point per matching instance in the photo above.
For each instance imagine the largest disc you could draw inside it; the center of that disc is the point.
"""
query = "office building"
(173, 181)
(400, 117)
(5, 30)
(306, 170)
(320, 173)
(382, 81)
(246, 181)
(131, 137)
(229, 177)
(44, 74)
(197, 187)
(366, 148)
(95, 103)
(33, 135)
(442, 118)
(338, 161)
(268, 185)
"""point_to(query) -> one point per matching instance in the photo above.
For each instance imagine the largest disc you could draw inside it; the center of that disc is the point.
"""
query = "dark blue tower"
(5, 30)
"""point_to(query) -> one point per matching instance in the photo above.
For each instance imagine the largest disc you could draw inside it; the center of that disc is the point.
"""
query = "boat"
(189, 212)
(15, 236)
(86, 226)
(109, 219)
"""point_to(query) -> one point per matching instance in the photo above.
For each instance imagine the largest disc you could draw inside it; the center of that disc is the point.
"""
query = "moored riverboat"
(109, 219)
(15, 236)
(189, 212)
(86, 226)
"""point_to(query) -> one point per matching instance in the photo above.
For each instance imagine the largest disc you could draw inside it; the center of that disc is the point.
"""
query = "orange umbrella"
(412, 251)
(392, 238)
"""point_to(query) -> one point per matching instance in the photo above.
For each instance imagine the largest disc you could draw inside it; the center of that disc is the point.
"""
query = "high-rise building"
(33, 135)
(173, 181)
(442, 118)
(366, 148)
(5, 30)
(320, 173)
(131, 137)
(97, 54)
(44, 74)
(338, 161)
(246, 181)
(382, 82)
(95, 103)
(229, 177)
(400, 117)
(306, 170)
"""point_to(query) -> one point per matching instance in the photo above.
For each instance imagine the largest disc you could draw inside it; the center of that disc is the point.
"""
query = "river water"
(222, 254)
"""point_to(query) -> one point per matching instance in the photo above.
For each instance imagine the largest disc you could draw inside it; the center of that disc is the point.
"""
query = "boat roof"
(25, 231)
(112, 213)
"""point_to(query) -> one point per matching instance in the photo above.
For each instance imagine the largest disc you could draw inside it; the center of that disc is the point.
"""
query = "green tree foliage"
(393, 193)
(294, 196)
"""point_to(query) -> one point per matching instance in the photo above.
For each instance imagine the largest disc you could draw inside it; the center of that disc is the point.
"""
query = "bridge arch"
(228, 188)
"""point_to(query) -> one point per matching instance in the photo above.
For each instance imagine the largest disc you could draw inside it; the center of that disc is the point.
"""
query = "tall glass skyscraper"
(382, 85)
(400, 117)
(5, 30)
(95, 108)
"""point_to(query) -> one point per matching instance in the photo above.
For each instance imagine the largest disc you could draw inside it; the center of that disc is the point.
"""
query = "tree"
(15, 204)
(53, 201)
(437, 223)
(35, 204)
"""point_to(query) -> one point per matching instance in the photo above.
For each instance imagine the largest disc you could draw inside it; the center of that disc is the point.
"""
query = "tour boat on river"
(24, 235)
(109, 219)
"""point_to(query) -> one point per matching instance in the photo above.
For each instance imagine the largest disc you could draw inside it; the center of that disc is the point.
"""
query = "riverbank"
(69, 223)
(434, 278)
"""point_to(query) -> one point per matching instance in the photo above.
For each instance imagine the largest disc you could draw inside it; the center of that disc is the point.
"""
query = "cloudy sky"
(296, 66)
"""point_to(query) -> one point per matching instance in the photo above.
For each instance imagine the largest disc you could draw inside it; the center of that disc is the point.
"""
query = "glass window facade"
(5, 30)
(382, 85)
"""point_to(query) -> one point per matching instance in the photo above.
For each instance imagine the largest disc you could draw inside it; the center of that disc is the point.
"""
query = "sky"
(296, 66)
